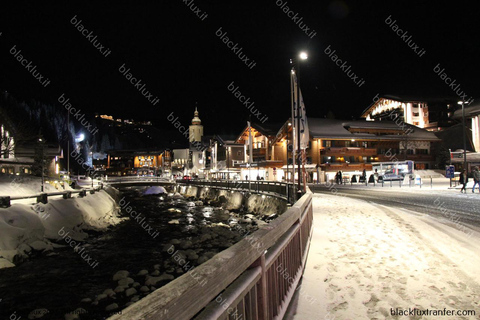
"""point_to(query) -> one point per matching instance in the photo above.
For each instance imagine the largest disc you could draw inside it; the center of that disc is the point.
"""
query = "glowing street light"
(303, 55)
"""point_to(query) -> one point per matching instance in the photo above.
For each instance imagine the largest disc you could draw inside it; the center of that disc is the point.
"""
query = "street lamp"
(464, 136)
(302, 56)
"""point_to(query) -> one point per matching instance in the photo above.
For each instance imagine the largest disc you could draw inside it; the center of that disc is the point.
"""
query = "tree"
(39, 158)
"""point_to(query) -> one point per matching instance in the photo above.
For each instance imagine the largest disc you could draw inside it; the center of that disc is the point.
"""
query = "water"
(57, 283)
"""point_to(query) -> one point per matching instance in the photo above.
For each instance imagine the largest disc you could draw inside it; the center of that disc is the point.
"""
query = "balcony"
(348, 151)
(329, 167)
(401, 157)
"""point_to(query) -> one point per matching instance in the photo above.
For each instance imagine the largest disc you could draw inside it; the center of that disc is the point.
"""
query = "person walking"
(463, 180)
(476, 179)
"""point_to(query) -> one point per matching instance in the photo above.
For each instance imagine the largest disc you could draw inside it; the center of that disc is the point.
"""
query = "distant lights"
(303, 55)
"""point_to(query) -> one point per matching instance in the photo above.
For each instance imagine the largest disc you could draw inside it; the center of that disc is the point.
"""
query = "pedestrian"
(340, 176)
(463, 180)
(476, 179)
(336, 177)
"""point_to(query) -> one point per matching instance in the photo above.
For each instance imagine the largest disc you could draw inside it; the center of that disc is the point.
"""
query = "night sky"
(180, 58)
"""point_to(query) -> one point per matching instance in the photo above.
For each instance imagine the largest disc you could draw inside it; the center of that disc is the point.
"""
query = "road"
(449, 206)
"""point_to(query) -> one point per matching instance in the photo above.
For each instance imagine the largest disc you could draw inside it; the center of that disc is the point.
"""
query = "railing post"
(262, 295)
(4, 202)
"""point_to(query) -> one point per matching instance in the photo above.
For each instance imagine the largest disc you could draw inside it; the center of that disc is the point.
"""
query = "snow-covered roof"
(322, 128)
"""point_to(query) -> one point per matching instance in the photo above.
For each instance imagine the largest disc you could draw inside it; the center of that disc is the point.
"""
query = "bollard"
(4, 202)
(390, 183)
(92, 191)
(82, 193)
(67, 195)
(43, 198)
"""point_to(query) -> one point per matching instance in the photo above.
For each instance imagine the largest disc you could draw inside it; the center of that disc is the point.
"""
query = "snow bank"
(154, 190)
(11, 185)
(23, 226)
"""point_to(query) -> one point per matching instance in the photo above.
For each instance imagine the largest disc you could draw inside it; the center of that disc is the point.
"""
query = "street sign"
(450, 172)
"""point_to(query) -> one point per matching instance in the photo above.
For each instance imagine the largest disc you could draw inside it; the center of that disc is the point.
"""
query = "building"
(138, 162)
(424, 112)
(17, 156)
(191, 161)
(195, 133)
(411, 110)
(260, 163)
(472, 125)
(354, 146)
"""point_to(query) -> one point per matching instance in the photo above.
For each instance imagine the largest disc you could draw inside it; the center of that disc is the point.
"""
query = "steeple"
(196, 128)
(196, 119)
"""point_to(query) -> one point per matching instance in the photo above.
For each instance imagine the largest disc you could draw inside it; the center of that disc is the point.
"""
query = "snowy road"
(448, 205)
(366, 260)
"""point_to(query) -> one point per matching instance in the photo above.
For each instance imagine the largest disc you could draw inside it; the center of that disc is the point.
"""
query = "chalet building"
(17, 157)
(428, 113)
(352, 146)
(224, 157)
(261, 163)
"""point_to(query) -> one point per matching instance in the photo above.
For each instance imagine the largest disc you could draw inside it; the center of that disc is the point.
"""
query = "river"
(61, 284)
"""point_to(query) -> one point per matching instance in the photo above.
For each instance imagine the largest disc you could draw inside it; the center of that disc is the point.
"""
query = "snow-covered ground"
(366, 259)
(27, 225)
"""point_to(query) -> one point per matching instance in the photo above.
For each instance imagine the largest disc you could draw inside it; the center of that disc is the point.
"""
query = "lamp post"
(464, 136)
(43, 165)
(301, 56)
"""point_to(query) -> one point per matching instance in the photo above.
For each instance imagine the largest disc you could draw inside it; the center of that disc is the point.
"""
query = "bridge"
(243, 281)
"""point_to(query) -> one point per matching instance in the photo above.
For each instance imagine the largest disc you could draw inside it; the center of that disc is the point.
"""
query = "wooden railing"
(245, 281)
(5, 201)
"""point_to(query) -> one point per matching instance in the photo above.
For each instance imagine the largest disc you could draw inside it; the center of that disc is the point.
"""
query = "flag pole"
(292, 85)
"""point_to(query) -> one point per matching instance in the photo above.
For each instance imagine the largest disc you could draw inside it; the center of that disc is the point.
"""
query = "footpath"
(377, 262)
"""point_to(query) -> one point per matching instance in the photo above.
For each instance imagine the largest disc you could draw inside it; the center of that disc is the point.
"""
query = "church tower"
(196, 128)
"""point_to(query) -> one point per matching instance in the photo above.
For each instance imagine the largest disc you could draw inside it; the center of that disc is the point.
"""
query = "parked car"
(84, 182)
(389, 175)
(187, 178)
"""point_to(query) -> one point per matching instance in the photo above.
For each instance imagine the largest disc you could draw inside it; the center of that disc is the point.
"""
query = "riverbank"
(27, 227)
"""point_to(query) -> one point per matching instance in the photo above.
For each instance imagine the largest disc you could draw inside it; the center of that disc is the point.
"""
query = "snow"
(154, 190)
(365, 259)
(26, 225)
